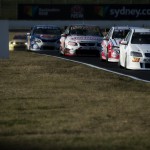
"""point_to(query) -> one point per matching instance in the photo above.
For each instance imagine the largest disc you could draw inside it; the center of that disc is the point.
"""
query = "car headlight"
(13, 43)
(136, 54)
(37, 40)
(72, 43)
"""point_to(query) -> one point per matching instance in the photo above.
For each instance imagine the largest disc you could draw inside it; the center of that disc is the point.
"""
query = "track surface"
(137, 74)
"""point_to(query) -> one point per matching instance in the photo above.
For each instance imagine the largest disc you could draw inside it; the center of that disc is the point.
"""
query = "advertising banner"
(83, 12)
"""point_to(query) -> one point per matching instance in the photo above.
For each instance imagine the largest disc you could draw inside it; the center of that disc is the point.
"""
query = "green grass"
(47, 104)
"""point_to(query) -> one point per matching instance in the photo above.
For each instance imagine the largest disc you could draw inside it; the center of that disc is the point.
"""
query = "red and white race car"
(110, 43)
(81, 40)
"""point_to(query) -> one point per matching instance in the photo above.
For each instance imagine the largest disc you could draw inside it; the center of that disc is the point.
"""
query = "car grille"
(48, 47)
(19, 43)
(147, 65)
(147, 54)
(87, 44)
(87, 52)
(52, 40)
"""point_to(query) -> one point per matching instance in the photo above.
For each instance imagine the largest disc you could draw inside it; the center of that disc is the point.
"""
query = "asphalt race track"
(143, 75)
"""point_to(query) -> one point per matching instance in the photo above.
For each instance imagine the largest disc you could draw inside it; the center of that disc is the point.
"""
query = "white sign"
(4, 39)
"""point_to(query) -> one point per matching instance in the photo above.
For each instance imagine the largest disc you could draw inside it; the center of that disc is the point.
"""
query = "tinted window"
(120, 34)
(85, 30)
(141, 38)
(19, 37)
(47, 31)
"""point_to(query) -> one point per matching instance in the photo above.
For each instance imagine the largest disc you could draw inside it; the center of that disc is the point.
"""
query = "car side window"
(109, 34)
(127, 38)
(67, 30)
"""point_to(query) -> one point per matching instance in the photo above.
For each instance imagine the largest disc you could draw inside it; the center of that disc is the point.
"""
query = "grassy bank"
(48, 104)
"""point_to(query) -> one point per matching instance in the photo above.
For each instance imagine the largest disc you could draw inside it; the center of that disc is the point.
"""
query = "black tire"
(125, 66)
(120, 65)
(60, 51)
(107, 56)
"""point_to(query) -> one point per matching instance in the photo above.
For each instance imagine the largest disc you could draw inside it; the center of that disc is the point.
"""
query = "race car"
(135, 50)
(43, 37)
(110, 43)
(18, 42)
(81, 40)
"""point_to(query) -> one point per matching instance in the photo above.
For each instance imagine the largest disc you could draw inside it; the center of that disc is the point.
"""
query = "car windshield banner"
(83, 12)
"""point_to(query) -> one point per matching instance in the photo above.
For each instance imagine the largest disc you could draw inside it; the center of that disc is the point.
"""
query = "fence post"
(4, 39)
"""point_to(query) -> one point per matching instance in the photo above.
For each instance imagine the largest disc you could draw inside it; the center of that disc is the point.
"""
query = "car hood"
(19, 40)
(141, 48)
(46, 36)
(84, 38)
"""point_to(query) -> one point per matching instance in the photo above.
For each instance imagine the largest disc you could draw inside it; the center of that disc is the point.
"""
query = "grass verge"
(47, 103)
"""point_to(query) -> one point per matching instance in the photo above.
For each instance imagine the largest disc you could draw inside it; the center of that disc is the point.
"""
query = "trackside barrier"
(25, 24)
(4, 39)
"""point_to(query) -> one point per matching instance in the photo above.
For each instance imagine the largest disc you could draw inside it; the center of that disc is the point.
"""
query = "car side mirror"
(28, 34)
(105, 38)
(124, 42)
(63, 35)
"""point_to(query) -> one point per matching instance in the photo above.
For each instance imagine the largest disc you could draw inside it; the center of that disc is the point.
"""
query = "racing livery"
(43, 37)
(135, 50)
(110, 43)
(81, 40)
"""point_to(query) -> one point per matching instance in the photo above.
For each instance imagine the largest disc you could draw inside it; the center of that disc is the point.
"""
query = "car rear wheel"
(119, 64)
(60, 51)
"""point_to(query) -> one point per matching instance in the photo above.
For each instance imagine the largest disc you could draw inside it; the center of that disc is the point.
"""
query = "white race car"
(135, 50)
(81, 40)
(19, 42)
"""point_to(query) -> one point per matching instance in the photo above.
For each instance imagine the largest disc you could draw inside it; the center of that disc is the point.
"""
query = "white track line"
(132, 77)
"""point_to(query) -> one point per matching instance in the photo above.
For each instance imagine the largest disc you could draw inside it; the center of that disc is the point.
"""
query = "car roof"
(46, 26)
(84, 25)
(140, 30)
(125, 27)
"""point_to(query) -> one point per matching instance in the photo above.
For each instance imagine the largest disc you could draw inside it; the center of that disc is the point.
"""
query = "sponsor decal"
(47, 36)
(135, 59)
(124, 11)
(46, 11)
(84, 11)
(85, 38)
(77, 12)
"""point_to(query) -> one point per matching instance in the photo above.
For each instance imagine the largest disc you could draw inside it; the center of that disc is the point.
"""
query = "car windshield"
(85, 30)
(120, 34)
(20, 37)
(141, 38)
(47, 31)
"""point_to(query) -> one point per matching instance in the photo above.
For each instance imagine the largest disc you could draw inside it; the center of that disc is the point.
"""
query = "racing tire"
(107, 56)
(60, 51)
(120, 65)
(125, 63)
